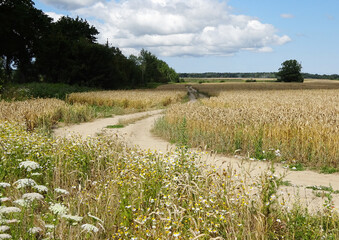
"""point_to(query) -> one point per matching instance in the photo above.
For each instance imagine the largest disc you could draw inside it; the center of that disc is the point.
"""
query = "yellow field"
(31, 112)
(138, 99)
(303, 124)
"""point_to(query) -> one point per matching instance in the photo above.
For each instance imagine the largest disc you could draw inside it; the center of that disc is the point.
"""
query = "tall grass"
(303, 125)
(99, 189)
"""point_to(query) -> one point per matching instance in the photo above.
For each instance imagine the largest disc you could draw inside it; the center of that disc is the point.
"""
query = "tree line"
(35, 48)
(254, 75)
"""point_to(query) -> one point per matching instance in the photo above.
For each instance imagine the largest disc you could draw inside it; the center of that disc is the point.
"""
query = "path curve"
(139, 134)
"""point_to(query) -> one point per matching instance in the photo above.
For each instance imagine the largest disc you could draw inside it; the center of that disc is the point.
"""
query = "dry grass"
(136, 99)
(303, 125)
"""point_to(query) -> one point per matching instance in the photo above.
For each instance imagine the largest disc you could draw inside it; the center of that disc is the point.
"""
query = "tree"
(21, 28)
(290, 71)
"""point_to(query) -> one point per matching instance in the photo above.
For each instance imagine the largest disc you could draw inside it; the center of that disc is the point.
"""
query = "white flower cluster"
(29, 165)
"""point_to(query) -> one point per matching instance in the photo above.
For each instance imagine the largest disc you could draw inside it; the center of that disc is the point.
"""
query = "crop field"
(99, 189)
(303, 125)
(213, 89)
(137, 99)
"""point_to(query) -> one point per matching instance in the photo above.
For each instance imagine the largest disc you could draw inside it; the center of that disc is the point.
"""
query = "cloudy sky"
(216, 35)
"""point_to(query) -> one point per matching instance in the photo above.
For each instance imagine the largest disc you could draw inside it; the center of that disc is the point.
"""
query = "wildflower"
(4, 228)
(62, 191)
(4, 199)
(277, 153)
(25, 182)
(5, 236)
(32, 196)
(22, 202)
(4, 185)
(58, 209)
(72, 218)
(9, 210)
(41, 188)
(89, 228)
(49, 226)
(34, 230)
(29, 165)
(176, 234)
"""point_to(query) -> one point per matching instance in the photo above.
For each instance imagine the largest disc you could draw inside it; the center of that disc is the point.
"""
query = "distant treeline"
(35, 48)
(253, 75)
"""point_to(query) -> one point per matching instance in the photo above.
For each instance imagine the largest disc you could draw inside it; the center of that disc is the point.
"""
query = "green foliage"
(290, 71)
(41, 90)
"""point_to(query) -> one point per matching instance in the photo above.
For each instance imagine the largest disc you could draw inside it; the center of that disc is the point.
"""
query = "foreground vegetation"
(301, 124)
(97, 189)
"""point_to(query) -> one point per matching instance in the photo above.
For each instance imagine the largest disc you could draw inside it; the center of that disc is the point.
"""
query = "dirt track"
(139, 133)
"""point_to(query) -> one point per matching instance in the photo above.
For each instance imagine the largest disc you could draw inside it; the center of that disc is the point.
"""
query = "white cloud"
(179, 27)
(70, 4)
(287, 15)
(55, 16)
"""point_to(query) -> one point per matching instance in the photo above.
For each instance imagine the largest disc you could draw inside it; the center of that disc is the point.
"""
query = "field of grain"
(213, 89)
(99, 189)
(137, 99)
(302, 124)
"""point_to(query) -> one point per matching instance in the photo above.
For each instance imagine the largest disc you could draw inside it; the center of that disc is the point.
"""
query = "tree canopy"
(290, 71)
(66, 51)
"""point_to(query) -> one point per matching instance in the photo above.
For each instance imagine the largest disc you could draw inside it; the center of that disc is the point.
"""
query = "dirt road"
(139, 133)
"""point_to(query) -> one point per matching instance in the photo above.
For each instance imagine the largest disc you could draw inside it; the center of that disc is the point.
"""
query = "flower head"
(4, 185)
(32, 196)
(9, 210)
(5, 236)
(58, 209)
(25, 182)
(62, 191)
(29, 165)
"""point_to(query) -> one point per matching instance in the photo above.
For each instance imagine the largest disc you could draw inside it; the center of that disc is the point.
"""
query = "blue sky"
(216, 35)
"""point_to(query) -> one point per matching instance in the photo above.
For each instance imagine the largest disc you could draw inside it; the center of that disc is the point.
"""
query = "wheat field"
(302, 124)
(137, 99)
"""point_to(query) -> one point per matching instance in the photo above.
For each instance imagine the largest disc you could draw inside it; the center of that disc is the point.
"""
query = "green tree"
(21, 28)
(290, 71)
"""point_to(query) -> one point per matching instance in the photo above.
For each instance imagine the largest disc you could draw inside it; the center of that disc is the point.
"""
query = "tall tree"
(21, 28)
(290, 71)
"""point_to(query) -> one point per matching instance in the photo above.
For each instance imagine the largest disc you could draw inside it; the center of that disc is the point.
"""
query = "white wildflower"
(34, 230)
(29, 165)
(4, 199)
(5, 236)
(9, 210)
(72, 218)
(36, 174)
(4, 185)
(58, 209)
(22, 202)
(32, 196)
(12, 221)
(49, 226)
(25, 182)
(4, 228)
(277, 153)
(89, 228)
(62, 191)
(41, 188)
(176, 234)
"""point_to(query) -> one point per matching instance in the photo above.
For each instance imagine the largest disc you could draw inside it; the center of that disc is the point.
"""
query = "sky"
(196, 36)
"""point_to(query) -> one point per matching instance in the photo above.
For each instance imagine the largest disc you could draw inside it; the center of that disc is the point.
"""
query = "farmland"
(99, 188)
(303, 125)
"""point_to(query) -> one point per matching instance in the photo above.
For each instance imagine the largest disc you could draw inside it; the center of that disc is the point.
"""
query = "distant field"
(210, 80)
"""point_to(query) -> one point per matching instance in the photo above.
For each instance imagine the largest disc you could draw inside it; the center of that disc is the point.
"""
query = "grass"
(292, 126)
(99, 189)
(116, 126)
